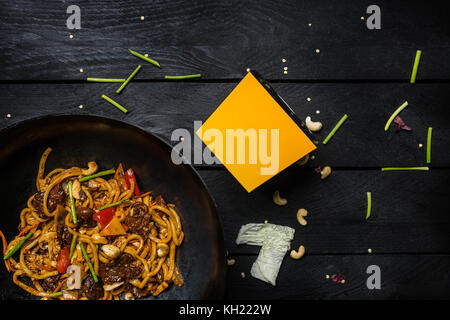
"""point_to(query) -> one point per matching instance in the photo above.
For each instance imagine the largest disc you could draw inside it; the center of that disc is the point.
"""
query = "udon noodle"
(84, 236)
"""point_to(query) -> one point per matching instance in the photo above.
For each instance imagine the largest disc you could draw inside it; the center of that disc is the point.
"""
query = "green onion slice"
(104, 80)
(430, 130)
(396, 112)
(72, 203)
(112, 205)
(98, 174)
(369, 204)
(55, 294)
(73, 244)
(140, 56)
(416, 66)
(128, 79)
(336, 127)
(17, 246)
(405, 168)
(88, 261)
(115, 104)
(189, 76)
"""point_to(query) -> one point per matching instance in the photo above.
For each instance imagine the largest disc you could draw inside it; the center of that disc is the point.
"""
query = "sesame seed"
(71, 36)
(146, 55)
(285, 72)
(317, 111)
(420, 145)
(285, 68)
(309, 24)
(308, 99)
(81, 70)
(317, 50)
(283, 60)
(313, 157)
(242, 275)
(182, 138)
(369, 250)
(81, 106)
(142, 17)
(362, 18)
(266, 222)
(8, 115)
(342, 281)
(327, 276)
(248, 69)
(231, 262)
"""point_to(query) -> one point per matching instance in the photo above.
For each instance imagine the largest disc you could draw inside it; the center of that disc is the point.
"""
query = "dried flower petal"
(401, 124)
(318, 169)
(337, 278)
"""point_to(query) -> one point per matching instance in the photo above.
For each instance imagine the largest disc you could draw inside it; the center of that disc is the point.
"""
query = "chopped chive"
(128, 79)
(73, 244)
(416, 66)
(430, 129)
(140, 56)
(369, 204)
(88, 261)
(72, 203)
(189, 76)
(396, 112)
(112, 205)
(115, 104)
(96, 175)
(17, 246)
(104, 80)
(55, 294)
(405, 168)
(336, 127)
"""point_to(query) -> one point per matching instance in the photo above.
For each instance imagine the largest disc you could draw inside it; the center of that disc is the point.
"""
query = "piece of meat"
(93, 290)
(85, 216)
(51, 283)
(138, 219)
(160, 201)
(137, 292)
(63, 235)
(55, 197)
(121, 269)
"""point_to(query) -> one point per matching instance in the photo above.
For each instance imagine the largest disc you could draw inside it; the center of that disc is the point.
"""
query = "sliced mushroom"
(76, 189)
(111, 251)
(112, 286)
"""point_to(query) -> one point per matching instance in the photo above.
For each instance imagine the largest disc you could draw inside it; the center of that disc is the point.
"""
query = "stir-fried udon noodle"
(87, 234)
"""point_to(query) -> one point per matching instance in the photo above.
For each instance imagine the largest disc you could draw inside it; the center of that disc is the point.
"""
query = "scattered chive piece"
(73, 245)
(369, 204)
(189, 76)
(416, 66)
(128, 79)
(98, 174)
(86, 257)
(336, 127)
(115, 104)
(112, 205)
(140, 56)
(104, 80)
(72, 203)
(55, 294)
(405, 168)
(430, 129)
(17, 247)
(396, 112)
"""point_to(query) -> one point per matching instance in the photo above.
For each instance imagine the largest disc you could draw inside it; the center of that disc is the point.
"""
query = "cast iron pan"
(78, 139)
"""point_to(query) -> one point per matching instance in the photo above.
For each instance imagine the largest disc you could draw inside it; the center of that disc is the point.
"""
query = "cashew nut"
(298, 254)
(313, 126)
(92, 168)
(128, 296)
(325, 172)
(303, 160)
(301, 213)
(231, 262)
(111, 251)
(278, 200)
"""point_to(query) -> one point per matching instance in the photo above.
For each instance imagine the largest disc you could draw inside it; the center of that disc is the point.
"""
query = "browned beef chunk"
(121, 269)
(55, 197)
(92, 289)
(138, 219)
(137, 292)
(160, 201)
(50, 283)
(85, 216)
(63, 235)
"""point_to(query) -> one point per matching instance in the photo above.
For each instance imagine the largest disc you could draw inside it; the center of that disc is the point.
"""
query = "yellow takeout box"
(254, 115)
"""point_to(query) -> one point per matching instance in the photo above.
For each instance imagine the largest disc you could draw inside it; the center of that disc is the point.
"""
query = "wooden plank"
(409, 210)
(402, 277)
(361, 142)
(222, 39)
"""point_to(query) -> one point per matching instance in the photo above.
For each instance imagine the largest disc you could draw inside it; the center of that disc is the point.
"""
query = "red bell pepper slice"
(129, 176)
(63, 260)
(105, 216)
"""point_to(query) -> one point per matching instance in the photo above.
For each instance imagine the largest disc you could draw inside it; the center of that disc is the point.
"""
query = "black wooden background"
(364, 73)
